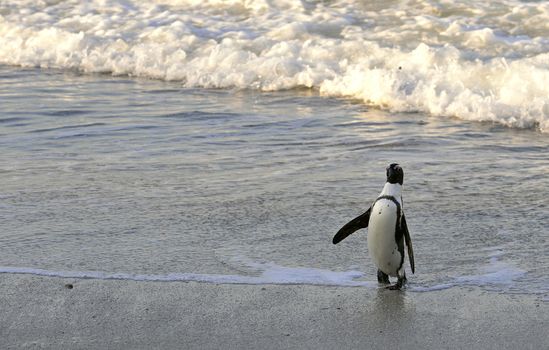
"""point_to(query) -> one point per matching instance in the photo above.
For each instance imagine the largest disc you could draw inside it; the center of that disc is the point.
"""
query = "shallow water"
(113, 177)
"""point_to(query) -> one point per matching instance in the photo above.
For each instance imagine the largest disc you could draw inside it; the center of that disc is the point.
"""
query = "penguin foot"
(382, 277)
(398, 286)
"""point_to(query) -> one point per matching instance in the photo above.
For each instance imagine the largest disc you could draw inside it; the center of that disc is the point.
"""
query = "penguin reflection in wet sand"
(387, 230)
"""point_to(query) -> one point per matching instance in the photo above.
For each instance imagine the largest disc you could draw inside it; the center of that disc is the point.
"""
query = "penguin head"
(395, 174)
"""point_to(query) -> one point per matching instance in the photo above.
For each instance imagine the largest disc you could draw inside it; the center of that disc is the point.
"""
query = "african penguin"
(387, 230)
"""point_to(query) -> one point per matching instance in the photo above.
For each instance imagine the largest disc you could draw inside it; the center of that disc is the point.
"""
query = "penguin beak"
(391, 175)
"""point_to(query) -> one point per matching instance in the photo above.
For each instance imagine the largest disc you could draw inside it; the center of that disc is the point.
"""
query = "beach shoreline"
(52, 312)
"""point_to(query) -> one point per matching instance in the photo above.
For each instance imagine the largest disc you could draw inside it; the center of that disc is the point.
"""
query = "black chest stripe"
(394, 200)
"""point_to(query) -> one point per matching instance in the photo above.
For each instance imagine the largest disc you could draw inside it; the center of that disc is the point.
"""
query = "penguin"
(387, 230)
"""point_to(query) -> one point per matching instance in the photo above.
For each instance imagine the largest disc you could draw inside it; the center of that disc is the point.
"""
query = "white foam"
(486, 63)
(495, 275)
(270, 274)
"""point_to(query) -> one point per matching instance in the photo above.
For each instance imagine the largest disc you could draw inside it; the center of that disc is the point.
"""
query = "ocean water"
(227, 141)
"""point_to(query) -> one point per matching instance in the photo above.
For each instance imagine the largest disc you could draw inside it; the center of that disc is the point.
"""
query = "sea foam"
(270, 274)
(485, 63)
(496, 275)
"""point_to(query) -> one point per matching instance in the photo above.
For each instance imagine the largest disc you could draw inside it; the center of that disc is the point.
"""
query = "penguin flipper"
(352, 226)
(404, 229)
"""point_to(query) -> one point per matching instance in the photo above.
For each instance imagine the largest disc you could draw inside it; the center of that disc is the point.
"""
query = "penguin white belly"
(382, 245)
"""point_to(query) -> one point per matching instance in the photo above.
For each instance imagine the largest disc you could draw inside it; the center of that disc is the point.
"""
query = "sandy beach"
(55, 313)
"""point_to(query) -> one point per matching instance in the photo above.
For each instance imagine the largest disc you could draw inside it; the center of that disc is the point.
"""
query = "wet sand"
(55, 313)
